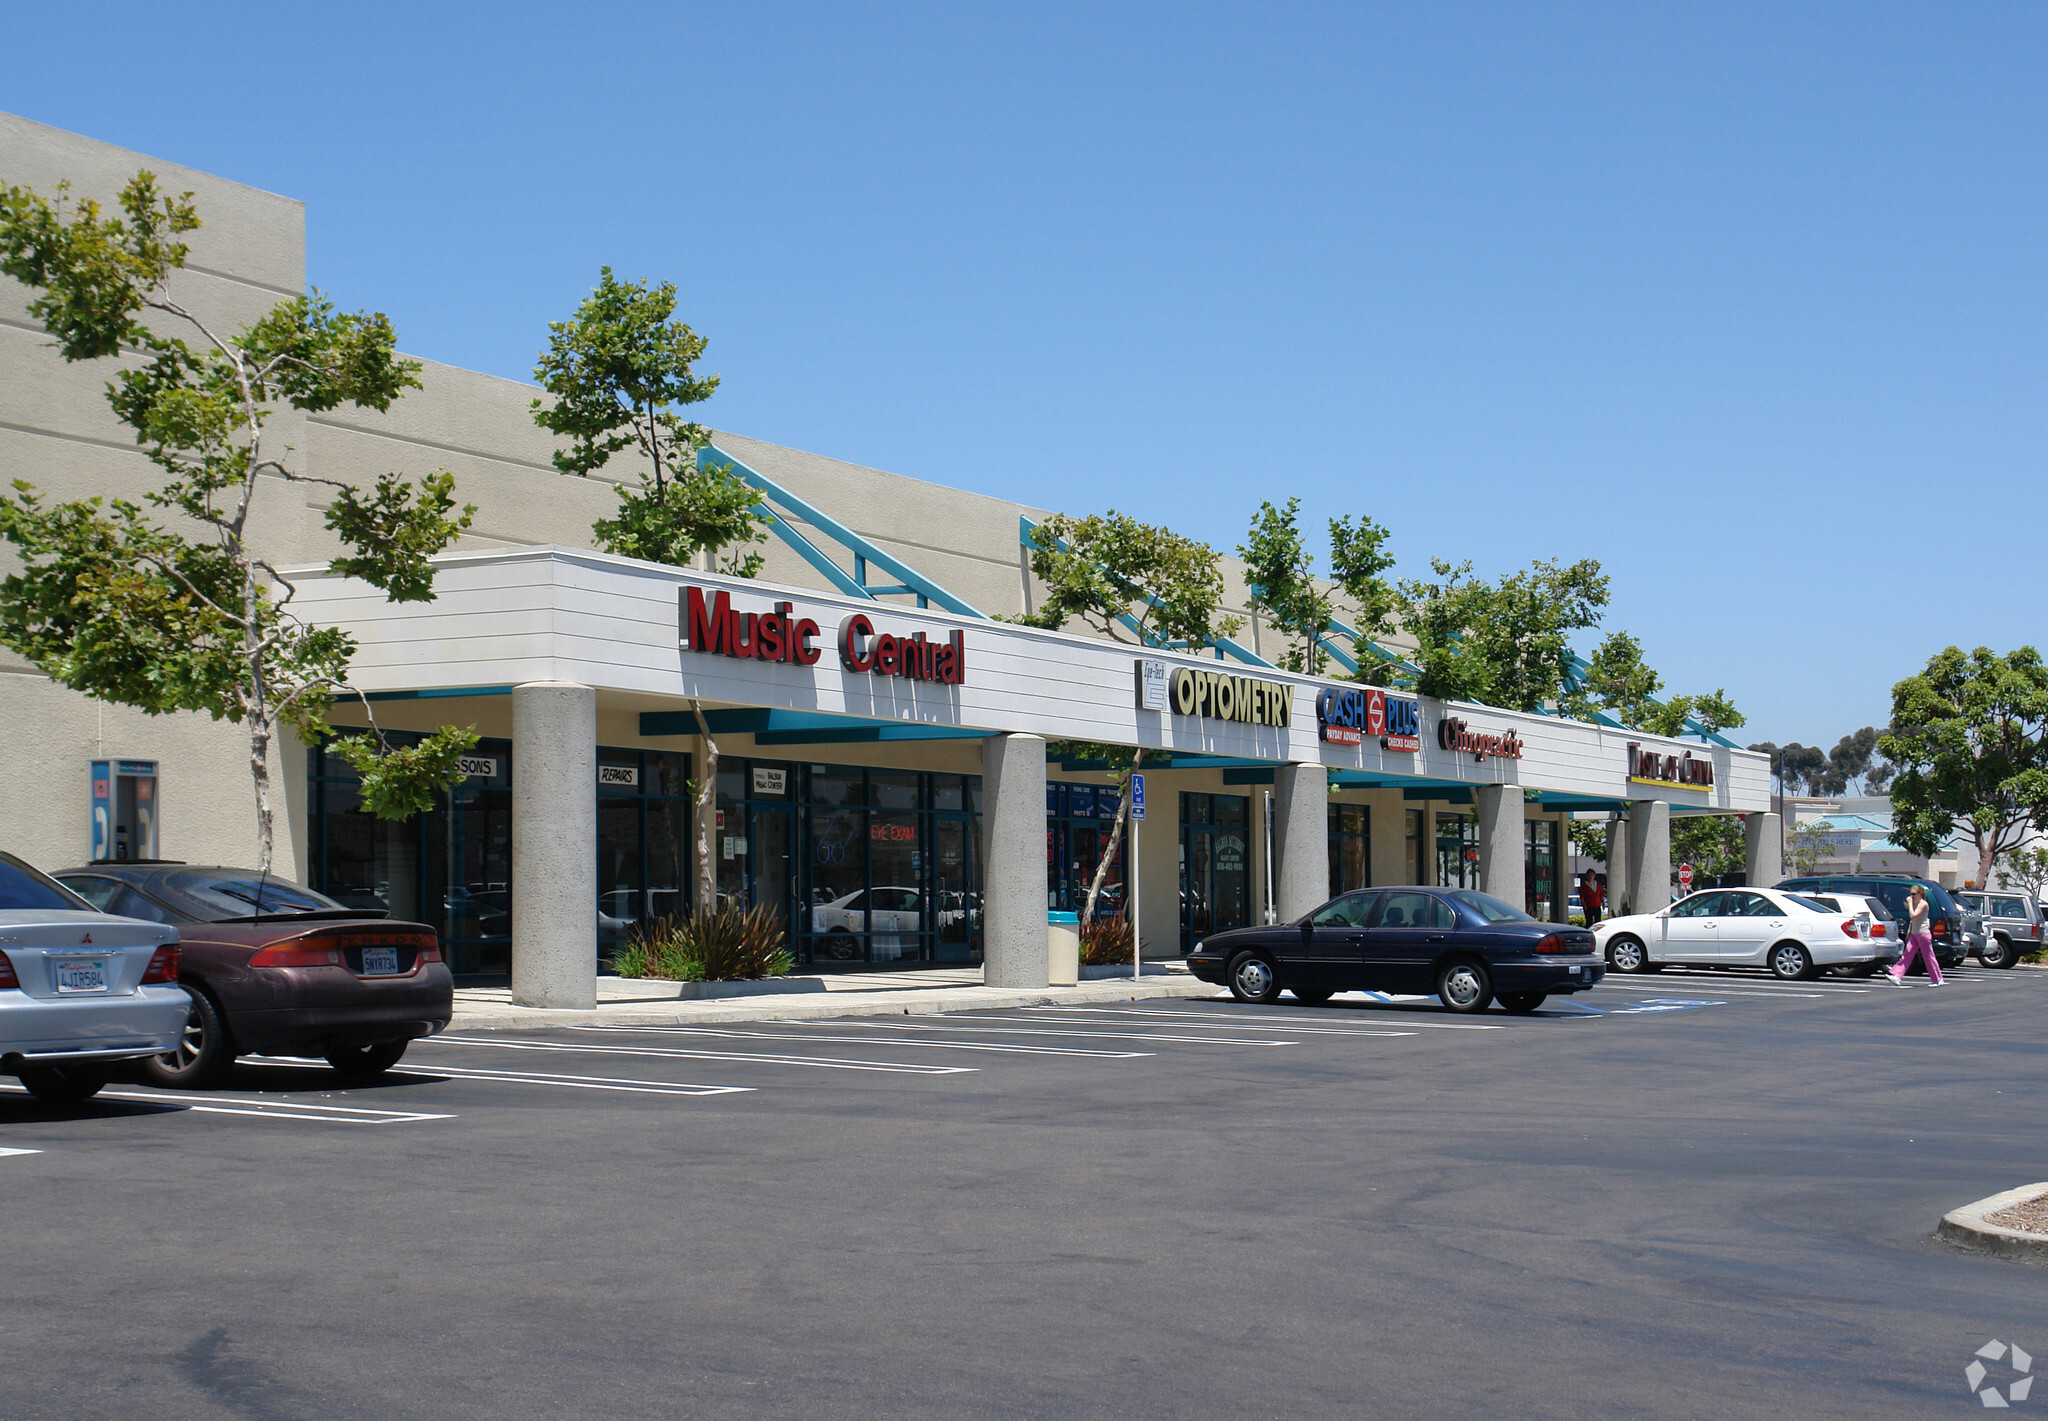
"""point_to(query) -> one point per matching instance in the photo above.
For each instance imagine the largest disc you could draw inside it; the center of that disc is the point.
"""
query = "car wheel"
(1313, 996)
(1252, 979)
(841, 946)
(366, 1063)
(1464, 987)
(204, 1055)
(1522, 1003)
(1790, 962)
(63, 1085)
(1998, 953)
(1627, 954)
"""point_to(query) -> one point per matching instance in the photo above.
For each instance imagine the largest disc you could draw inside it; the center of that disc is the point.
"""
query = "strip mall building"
(884, 778)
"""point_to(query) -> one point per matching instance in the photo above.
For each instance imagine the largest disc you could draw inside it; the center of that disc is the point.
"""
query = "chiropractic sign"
(1453, 733)
(718, 628)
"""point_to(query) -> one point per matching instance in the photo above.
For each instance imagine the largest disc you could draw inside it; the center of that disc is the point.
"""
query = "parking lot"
(1690, 1194)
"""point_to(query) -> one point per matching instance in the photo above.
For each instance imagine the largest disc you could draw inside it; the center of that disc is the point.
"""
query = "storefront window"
(1350, 847)
(1413, 861)
(1078, 822)
(1457, 850)
(1540, 870)
(1215, 878)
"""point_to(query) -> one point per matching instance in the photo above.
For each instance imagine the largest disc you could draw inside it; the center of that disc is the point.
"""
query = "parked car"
(2012, 924)
(885, 910)
(1951, 927)
(1884, 928)
(1792, 935)
(80, 990)
(1466, 947)
(272, 968)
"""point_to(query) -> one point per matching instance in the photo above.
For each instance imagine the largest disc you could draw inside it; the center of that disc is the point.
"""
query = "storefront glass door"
(1457, 851)
(1215, 868)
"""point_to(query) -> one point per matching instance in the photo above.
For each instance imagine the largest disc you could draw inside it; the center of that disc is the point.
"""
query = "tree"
(617, 369)
(1104, 568)
(172, 609)
(1589, 839)
(1359, 562)
(1617, 681)
(1712, 713)
(1796, 764)
(1970, 737)
(1806, 845)
(1284, 587)
(2026, 869)
(1712, 843)
(1505, 644)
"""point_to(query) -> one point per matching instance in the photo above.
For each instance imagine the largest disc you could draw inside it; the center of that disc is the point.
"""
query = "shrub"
(725, 945)
(1106, 941)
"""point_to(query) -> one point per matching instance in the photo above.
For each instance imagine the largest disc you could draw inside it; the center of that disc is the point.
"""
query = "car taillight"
(1552, 943)
(307, 952)
(163, 966)
(7, 977)
(430, 952)
(1941, 927)
(1849, 928)
(1877, 929)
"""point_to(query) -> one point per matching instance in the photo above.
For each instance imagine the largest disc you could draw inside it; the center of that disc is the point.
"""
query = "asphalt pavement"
(1689, 1195)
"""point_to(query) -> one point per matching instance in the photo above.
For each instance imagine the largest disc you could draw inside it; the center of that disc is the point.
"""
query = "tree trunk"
(1116, 834)
(707, 816)
(259, 772)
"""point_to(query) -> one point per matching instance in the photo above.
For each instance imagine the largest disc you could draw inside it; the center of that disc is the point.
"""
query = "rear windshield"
(1490, 908)
(1819, 905)
(225, 895)
(24, 888)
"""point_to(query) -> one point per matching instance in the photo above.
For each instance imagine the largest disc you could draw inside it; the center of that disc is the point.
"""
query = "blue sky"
(1745, 301)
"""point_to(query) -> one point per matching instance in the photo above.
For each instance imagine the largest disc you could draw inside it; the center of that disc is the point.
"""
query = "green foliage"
(182, 615)
(399, 782)
(1713, 844)
(1504, 644)
(720, 945)
(1103, 567)
(2026, 869)
(1617, 681)
(1712, 712)
(1831, 772)
(1359, 563)
(1806, 845)
(1439, 616)
(617, 370)
(1589, 838)
(1970, 737)
(1283, 584)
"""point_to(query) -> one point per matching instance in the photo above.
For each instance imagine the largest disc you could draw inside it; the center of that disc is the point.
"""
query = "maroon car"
(275, 969)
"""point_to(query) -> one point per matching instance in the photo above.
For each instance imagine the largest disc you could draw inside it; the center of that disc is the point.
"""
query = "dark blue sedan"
(1467, 947)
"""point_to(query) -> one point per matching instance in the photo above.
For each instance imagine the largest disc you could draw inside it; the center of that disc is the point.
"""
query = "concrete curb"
(1967, 1227)
(812, 1006)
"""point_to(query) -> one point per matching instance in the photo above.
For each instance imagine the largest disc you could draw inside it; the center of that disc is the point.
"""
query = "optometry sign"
(1455, 734)
(1351, 717)
(1245, 699)
(1680, 771)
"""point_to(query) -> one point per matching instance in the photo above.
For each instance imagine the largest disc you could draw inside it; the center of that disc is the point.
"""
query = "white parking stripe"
(1292, 1027)
(1265, 1020)
(427, 1073)
(19, 1152)
(1028, 1031)
(829, 1063)
(270, 1109)
(869, 1041)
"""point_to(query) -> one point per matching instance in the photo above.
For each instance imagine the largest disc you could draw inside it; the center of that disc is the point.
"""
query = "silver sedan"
(80, 990)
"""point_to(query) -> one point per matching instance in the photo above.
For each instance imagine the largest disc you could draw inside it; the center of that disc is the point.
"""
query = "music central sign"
(720, 629)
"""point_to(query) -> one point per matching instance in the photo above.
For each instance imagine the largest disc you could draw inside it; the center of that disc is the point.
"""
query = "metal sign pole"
(1137, 881)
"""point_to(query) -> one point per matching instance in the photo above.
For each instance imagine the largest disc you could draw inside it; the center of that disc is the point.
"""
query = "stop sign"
(1685, 878)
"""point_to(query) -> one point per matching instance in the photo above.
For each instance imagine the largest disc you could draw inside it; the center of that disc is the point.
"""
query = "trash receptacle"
(1062, 949)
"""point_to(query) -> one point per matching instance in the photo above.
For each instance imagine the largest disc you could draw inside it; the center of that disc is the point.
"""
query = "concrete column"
(1762, 863)
(1649, 855)
(1301, 839)
(554, 845)
(1013, 941)
(1503, 861)
(1617, 866)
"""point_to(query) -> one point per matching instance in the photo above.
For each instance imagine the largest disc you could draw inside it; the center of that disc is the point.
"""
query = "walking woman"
(1919, 942)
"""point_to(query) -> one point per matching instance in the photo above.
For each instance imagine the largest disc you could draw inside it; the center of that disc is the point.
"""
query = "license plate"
(81, 977)
(380, 961)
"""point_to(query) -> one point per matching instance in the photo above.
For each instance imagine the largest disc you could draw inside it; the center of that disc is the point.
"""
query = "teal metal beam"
(864, 551)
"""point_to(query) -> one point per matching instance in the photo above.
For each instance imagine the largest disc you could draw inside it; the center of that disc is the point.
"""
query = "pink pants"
(1922, 946)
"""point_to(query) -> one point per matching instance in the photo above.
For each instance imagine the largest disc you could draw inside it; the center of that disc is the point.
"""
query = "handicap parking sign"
(1137, 796)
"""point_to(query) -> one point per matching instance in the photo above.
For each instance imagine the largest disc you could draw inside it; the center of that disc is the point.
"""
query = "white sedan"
(1792, 934)
(80, 990)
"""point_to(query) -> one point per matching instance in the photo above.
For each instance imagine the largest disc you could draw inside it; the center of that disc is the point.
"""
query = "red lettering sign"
(764, 636)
